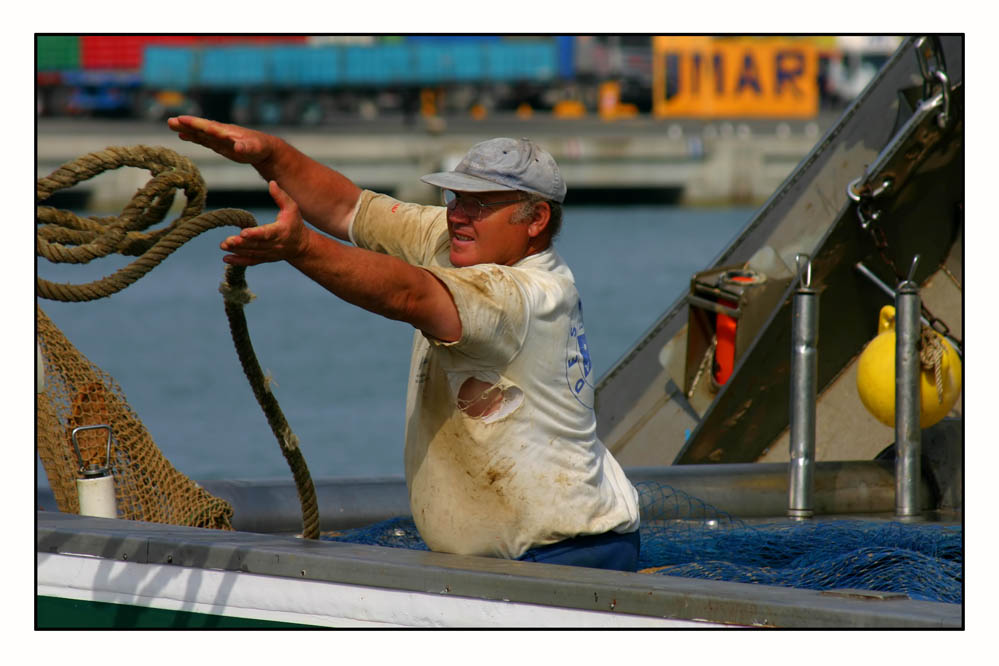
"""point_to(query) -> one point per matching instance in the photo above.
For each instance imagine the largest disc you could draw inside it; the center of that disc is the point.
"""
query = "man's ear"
(539, 219)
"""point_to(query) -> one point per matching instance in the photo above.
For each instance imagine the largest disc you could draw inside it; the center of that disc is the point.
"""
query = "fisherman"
(501, 453)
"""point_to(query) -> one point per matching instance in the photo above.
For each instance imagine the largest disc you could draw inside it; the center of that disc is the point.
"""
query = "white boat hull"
(303, 602)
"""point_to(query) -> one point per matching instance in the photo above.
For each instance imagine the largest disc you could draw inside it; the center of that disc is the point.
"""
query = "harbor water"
(338, 372)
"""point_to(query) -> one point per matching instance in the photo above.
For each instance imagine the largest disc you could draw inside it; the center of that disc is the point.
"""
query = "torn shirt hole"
(488, 399)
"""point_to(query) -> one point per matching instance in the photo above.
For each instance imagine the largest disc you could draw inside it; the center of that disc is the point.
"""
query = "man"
(501, 453)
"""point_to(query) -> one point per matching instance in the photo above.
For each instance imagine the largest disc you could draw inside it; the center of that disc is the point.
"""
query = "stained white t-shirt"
(501, 449)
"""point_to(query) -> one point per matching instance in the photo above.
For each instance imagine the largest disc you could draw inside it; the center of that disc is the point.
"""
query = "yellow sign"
(728, 77)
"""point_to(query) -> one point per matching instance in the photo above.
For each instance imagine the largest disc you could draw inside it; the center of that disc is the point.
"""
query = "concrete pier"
(717, 162)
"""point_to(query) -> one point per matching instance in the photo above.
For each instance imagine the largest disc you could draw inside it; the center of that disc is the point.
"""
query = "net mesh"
(147, 487)
(683, 536)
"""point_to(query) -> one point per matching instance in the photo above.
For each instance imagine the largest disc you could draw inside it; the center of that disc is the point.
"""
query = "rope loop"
(64, 237)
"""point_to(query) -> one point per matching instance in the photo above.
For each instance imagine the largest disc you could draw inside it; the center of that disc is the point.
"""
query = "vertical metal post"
(907, 398)
(804, 368)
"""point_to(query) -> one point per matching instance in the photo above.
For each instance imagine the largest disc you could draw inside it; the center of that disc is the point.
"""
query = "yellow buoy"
(876, 377)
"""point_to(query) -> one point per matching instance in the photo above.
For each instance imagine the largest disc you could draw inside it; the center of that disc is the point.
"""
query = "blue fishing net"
(683, 536)
(395, 533)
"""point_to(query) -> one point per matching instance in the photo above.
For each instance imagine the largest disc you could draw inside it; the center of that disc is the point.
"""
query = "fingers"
(280, 197)
(248, 251)
(283, 239)
(231, 141)
(191, 126)
(195, 124)
(253, 240)
(198, 130)
(286, 205)
(237, 260)
(265, 234)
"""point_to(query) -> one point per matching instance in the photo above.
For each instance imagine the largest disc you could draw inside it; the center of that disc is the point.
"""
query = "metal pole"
(907, 398)
(743, 490)
(804, 367)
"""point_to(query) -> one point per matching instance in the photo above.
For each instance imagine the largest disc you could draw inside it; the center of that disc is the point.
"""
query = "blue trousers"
(609, 550)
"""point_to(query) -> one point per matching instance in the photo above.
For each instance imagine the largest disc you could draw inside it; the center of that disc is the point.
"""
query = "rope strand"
(931, 357)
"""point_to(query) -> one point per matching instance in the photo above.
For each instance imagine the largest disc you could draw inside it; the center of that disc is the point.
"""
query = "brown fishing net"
(147, 487)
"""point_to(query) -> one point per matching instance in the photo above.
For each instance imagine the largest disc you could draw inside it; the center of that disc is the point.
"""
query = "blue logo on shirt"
(578, 365)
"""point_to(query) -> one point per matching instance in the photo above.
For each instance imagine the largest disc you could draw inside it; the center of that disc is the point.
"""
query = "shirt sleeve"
(412, 232)
(494, 316)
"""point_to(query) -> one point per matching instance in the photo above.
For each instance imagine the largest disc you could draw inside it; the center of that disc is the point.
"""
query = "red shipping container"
(125, 51)
(120, 51)
(110, 52)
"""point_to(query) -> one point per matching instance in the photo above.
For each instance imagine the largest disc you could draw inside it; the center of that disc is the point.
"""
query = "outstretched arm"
(376, 282)
(326, 197)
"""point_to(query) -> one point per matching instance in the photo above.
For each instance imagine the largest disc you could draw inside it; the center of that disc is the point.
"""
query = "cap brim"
(463, 182)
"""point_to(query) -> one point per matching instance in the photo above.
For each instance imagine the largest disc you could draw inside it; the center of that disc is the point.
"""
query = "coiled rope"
(64, 237)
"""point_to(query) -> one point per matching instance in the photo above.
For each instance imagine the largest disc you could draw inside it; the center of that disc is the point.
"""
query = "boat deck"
(491, 592)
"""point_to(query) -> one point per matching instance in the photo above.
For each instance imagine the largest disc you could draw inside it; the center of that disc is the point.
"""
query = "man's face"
(489, 233)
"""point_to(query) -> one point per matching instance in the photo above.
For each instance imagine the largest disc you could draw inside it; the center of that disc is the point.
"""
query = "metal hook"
(864, 216)
(807, 283)
(929, 48)
(851, 193)
(79, 455)
(922, 56)
(944, 116)
(912, 268)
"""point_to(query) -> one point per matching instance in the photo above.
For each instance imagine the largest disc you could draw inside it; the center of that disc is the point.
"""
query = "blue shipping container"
(235, 66)
(305, 66)
(521, 61)
(423, 62)
(168, 67)
(388, 63)
(437, 63)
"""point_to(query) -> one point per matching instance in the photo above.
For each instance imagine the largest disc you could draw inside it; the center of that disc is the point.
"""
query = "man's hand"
(236, 143)
(325, 197)
(285, 239)
(379, 283)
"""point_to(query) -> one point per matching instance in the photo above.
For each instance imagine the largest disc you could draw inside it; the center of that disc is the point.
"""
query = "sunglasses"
(471, 206)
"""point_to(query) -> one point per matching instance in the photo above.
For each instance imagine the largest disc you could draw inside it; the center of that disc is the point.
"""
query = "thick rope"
(63, 237)
(235, 296)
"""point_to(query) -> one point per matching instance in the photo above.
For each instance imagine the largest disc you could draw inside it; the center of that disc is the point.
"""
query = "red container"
(109, 52)
(121, 51)
(725, 329)
(125, 51)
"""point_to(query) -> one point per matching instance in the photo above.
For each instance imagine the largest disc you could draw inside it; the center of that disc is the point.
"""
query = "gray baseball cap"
(504, 164)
